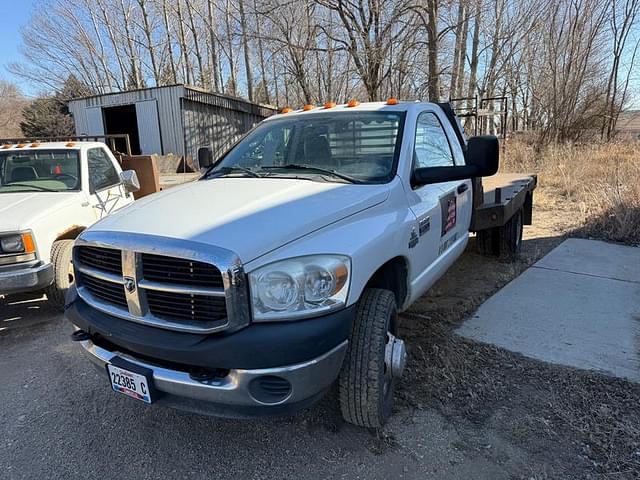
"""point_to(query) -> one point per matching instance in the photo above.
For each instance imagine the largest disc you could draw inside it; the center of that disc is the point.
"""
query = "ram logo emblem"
(129, 284)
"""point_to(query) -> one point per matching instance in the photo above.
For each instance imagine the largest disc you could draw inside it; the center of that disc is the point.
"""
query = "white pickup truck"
(49, 193)
(285, 266)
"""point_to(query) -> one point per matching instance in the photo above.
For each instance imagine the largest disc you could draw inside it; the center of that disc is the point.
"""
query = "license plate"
(132, 384)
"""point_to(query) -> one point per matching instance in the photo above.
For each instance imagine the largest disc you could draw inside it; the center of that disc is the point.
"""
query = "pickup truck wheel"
(63, 274)
(510, 238)
(486, 242)
(374, 361)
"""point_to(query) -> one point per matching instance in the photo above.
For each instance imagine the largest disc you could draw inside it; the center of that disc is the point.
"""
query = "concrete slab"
(591, 257)
(578, 306)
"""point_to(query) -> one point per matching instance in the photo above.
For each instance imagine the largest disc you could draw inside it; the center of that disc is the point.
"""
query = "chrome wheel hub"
(395, 356)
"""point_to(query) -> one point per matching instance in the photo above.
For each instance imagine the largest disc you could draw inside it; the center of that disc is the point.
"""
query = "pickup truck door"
(456, 201)
(429, 202)
(106, 193)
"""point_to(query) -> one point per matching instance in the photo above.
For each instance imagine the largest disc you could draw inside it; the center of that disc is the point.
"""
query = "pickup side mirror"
(205, 157)
(482, 159)
(130, 181)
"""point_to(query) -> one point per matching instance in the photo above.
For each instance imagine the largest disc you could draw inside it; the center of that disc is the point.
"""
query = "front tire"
(63, 274)
(374, 361)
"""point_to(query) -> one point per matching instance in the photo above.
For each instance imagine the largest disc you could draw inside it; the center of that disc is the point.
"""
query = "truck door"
(425, 200)
(456, 201)
(106, 193)
(444, 210)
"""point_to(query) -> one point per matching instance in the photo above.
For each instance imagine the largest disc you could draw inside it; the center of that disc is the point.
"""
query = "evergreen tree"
(49, 116)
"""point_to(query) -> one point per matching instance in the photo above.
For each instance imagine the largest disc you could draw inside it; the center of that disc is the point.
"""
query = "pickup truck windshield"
(361, 146)
(39, 170)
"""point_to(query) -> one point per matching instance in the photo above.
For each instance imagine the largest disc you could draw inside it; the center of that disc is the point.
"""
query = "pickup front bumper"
(27, 279)
(267, 368)
(239, 392)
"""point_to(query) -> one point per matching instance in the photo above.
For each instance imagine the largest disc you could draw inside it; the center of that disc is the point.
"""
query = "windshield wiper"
(37, 187)
(232, 168)
(298, 166)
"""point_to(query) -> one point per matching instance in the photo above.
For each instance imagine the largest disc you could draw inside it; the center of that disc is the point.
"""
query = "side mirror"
(130, 181)
(205, 157)
(482, 160)
(484, 153)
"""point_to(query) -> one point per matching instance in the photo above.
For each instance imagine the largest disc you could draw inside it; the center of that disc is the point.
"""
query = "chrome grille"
(184, 290)
(197, 308)
(105, 291)
(104, 259)
(179, 270)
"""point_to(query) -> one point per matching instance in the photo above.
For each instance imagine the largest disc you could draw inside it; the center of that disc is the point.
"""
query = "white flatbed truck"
(283, 268)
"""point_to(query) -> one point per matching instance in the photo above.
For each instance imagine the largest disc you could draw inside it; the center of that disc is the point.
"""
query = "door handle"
(463, 187)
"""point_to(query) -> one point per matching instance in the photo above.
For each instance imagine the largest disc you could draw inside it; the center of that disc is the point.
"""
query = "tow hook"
(395, 355)
(80, 336)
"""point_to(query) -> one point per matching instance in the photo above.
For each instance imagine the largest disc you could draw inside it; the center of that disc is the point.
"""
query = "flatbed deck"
(499, 197)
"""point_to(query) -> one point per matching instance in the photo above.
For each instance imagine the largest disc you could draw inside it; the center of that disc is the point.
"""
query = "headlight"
(12, 244)
(17, 243)
(299, 287)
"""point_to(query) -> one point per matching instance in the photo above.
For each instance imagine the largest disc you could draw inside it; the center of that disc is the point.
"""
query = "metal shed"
(174, 119)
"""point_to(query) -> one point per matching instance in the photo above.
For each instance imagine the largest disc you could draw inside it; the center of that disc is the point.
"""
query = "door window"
(102, 173)
(431, 148)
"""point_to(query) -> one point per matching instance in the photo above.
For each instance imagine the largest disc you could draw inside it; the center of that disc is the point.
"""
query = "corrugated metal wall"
(168, 102)
(189, 118)
(216, 120)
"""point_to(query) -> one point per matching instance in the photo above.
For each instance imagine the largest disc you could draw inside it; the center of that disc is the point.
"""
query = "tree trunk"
(245, 47)
(456, 51)
(167, 28)
(432, 36)
(215, 65)
(463, 52)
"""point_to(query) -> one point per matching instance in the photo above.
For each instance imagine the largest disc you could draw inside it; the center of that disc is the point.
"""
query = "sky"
(15, 14)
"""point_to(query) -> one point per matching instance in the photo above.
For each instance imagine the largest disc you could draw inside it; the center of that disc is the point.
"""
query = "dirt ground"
(571, 423)
(463, 409)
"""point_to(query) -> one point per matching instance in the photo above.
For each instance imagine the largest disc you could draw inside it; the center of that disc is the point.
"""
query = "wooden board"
(147, 171)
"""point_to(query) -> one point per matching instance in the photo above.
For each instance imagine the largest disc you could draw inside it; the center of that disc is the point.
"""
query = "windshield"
(39, 170)
(360, 146)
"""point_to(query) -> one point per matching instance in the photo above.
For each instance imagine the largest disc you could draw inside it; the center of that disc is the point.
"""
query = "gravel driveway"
(60, 420)
(464, 410)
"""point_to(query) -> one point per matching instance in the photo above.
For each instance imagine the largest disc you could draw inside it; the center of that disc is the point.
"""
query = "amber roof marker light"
(329, 105)
(392, 101)
(308, 107)
(353, 103)
(286, 110)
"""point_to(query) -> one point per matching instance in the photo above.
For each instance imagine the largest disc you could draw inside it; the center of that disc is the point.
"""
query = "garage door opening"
(123, 119)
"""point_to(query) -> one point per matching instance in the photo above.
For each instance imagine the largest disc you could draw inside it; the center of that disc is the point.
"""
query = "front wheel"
(63, 274)
(374, 361)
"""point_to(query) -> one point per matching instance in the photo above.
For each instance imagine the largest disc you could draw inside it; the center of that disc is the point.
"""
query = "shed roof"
(189, 92)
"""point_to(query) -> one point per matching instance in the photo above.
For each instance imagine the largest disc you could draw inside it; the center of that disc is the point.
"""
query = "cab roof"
(360, 107)
(71, 145)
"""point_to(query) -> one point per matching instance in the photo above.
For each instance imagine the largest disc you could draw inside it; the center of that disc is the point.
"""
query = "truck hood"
(20, 210)
(249, 216)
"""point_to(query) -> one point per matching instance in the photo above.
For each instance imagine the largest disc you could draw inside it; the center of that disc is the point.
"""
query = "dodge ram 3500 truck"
(49, 193)
(284, 267)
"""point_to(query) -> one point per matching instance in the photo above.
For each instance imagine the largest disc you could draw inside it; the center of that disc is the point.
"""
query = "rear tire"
(486, 242)
(504, 241)
(369, 374)
(510, 236)
(63, 274)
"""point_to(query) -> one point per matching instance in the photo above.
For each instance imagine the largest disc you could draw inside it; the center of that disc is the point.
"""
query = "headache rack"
(112, 141)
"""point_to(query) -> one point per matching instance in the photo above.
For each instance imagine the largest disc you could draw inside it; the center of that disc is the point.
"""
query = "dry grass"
(602, 182)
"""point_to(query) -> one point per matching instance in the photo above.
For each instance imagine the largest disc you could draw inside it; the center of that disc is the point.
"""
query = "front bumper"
(307, 354)
(28, 279)
(238, 392)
